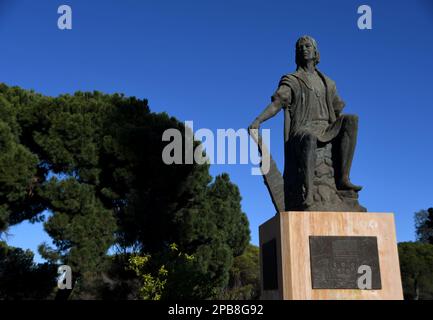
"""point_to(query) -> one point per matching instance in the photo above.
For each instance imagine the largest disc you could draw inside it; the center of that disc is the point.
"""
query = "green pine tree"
(94, 162)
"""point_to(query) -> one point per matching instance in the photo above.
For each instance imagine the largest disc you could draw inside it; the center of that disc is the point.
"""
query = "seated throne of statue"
(319, 141)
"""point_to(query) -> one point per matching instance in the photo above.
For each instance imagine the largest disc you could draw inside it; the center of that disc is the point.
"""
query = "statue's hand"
(254, 125)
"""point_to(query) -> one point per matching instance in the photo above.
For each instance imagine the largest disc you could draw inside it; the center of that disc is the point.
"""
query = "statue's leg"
(307, 162)
(348, 136)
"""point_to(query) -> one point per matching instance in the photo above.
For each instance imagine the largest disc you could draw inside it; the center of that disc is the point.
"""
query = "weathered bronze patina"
(319, 140)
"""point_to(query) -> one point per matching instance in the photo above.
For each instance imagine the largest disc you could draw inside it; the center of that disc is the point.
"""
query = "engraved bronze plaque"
(269, 263)
(336, 261)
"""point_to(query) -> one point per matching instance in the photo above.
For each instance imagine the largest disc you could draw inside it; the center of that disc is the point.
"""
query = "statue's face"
(306, 50)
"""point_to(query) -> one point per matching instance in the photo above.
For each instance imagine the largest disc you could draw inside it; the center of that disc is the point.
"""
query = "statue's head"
(306, 49)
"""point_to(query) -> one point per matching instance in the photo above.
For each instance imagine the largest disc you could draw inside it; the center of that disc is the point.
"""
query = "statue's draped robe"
(296, 93)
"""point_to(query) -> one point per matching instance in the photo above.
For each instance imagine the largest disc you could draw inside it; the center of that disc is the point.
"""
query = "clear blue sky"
(218, 62)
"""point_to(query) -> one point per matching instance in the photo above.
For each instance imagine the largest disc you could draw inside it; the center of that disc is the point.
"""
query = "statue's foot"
(345, 184)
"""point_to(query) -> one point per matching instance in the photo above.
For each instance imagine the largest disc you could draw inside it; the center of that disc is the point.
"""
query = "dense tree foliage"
(244, 281)
(416, 259)
(424, 225)
(94, 162)
(416, 263)
(20, 278)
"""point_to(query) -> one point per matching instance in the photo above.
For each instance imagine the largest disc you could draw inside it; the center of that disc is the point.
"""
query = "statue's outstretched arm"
(281, 98)
(271, 110)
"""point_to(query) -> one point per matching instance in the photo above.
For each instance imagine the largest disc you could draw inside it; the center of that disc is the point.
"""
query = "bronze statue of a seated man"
(313, 119)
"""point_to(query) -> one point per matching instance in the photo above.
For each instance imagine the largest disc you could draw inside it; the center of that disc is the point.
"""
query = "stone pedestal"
(330, 256)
